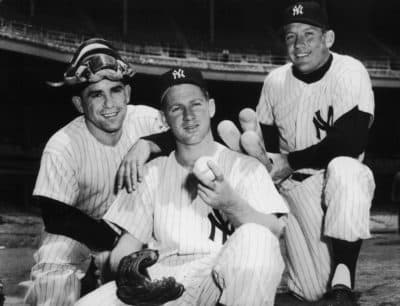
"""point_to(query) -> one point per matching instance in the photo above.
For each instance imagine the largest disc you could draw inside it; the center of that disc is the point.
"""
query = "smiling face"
(307, 46)
(104, 105)
(188, 112)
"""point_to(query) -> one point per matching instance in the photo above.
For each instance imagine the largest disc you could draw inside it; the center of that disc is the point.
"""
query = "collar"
(314, 76)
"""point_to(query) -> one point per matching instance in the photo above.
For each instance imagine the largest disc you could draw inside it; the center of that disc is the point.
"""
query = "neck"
(187, 155)
(315, 75)
(105, 138)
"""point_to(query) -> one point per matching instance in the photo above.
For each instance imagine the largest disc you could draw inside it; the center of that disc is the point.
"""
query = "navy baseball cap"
(308, 12)
(180, 75)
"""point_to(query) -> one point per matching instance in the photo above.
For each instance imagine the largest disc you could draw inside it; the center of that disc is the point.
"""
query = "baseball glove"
(134, 286)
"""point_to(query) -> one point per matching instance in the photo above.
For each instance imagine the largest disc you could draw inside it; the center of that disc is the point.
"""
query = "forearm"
(243, 213)
(62, 219)
(126, 245)
(347, 137)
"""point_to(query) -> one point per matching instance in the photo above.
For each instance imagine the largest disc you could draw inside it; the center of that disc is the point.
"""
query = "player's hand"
(280, 167)
(130, 172)
(217, 193)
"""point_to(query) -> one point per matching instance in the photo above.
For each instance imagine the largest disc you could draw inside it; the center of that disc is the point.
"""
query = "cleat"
(340, 295)
(248, 121)
(230, 135)
(254, 146)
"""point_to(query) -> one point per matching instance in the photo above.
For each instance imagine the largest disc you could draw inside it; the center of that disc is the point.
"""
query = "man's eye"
(289, 37)
(175, 109)
(95, 95)
(117, 89)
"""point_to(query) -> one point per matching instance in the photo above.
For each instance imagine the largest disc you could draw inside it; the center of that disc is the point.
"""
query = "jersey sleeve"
(354, 89)
(134, 211)
(257, 188)
(264, 106)
(57, 179)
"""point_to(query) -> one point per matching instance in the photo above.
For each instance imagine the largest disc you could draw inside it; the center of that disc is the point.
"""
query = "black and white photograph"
(200, 152)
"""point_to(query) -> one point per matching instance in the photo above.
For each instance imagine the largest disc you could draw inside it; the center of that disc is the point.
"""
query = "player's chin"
(112, 127)
(304, 66)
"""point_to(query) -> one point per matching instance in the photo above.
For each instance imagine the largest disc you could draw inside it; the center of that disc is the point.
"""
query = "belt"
(299, 177)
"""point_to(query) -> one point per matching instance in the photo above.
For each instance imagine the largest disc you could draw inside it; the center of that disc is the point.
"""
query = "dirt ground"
(378, 277)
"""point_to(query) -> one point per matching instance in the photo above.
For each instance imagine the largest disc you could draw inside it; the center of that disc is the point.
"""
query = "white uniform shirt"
(78, 170)
(165, 209)
(293, 104)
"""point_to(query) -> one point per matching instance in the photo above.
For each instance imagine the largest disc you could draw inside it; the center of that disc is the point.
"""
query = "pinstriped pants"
(330, 204)
(246, 271)
(61, 263)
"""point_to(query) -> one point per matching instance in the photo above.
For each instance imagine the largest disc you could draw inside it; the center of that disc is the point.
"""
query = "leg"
(54, 284)
(348, 192)
(309, 262)
(249, 267)
(194, 272)
(61, 263)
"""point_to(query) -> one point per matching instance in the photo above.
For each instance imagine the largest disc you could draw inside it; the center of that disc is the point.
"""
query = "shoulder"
(347, 64)
(142, 111)
(73, 134)
(153, 169)
(238, 163)
(278, 75)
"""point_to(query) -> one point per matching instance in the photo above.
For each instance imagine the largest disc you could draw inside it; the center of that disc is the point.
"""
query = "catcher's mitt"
(134, 286)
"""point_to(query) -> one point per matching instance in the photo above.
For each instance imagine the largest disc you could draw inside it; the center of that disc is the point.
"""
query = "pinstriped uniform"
(245, 270)
(337, 199)
(79, 171)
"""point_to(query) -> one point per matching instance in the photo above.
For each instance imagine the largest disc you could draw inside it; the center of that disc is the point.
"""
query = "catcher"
(215, 231)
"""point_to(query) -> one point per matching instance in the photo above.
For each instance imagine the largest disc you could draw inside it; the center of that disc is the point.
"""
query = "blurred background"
(236, 43)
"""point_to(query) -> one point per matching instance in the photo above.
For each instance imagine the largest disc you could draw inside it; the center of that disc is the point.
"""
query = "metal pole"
(125, 18)
(32, 8)
(212, 21)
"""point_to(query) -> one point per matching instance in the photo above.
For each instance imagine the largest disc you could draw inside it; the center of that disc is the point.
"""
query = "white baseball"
(201, 170)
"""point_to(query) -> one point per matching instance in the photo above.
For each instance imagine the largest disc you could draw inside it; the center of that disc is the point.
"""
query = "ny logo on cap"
(178, 74)
(297, 10)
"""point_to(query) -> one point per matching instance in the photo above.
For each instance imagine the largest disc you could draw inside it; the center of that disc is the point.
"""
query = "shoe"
(254, 146)
(230, 135)
(340, 295)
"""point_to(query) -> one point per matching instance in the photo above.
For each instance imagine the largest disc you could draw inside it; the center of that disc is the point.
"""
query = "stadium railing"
(217, 60)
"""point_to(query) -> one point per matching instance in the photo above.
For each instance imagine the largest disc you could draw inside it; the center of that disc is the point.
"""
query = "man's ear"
(128, 90)
(211, 107)
(329, 38)
(163, 118)
(77, 101)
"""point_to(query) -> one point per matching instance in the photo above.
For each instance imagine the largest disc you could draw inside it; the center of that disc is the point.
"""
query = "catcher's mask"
(94, 60)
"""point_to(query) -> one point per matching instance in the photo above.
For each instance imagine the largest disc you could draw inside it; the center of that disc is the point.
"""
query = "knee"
(253, 248)
(347, 172)
(343, 166)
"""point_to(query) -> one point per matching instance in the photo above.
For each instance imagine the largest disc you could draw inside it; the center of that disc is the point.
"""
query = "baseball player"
(75, 185)
(322, 105)
(216, 236)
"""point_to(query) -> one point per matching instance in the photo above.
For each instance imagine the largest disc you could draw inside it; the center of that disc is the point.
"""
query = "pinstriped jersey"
(295, 106)
(78, 170)
(166, 209)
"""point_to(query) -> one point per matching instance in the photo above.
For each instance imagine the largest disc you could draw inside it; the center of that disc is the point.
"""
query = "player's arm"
(62, 219)
(130, 172)
(126, 245)
(347, 137)
(220, 195)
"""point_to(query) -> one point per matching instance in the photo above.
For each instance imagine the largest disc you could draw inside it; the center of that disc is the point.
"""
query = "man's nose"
(188, 114)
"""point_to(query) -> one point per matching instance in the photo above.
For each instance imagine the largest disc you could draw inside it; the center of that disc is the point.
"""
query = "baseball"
(201, 169)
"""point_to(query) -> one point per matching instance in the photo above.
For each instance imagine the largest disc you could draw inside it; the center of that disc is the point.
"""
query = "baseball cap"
(95, 59)
(181, 75)
(308, 12)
